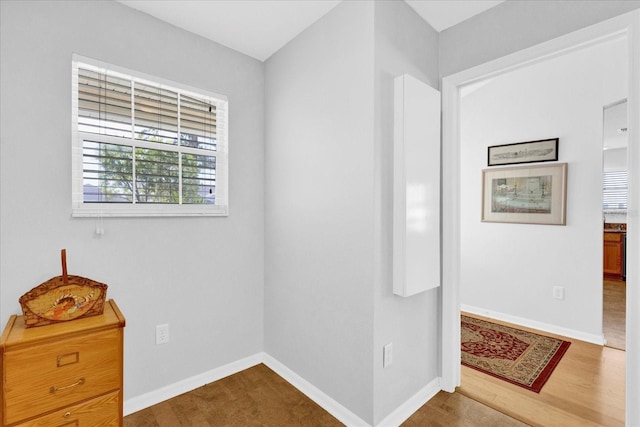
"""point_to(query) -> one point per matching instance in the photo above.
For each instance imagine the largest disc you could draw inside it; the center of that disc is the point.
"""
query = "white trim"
(626, 25)
(540, 326)
(450, 350)
(632, 372)
(408, 408)
(154, 397)
(147, 210)
(312, 392)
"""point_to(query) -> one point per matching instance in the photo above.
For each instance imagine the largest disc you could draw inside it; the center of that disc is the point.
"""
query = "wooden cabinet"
(64, 374)
(613, 254)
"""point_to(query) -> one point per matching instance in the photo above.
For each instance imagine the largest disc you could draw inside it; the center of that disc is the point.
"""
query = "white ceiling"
(442, 14)
(259, 28)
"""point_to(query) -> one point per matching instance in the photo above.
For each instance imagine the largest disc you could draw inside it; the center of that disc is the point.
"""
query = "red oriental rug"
(520, 357)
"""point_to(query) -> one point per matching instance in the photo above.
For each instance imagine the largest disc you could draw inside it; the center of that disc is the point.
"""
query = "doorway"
(511, 270)
(628, 26)
(614, 215)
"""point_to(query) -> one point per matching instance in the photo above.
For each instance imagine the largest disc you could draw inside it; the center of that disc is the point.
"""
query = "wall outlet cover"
(387, 355)
(558, 292)
(162, 334)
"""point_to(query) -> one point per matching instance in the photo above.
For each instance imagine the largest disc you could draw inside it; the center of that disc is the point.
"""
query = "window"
(145, 147)
(614, 190)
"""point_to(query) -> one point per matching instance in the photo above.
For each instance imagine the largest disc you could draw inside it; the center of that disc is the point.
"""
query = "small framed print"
(544, 150)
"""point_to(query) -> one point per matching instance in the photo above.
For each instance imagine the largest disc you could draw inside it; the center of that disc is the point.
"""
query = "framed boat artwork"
(544, 150)
(535, 194)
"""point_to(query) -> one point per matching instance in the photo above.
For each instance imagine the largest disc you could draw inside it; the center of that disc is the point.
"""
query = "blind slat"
(614, 190)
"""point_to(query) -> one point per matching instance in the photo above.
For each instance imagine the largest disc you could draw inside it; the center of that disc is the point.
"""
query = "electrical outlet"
(387, 355)
(558, 292)
(162, 334)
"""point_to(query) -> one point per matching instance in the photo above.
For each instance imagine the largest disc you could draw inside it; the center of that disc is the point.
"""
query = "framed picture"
(544, 150)
(534, 194)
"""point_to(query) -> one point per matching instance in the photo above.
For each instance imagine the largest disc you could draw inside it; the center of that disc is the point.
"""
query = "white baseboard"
(312, 392)
(541, 326)
(404, 411)
(160, 395)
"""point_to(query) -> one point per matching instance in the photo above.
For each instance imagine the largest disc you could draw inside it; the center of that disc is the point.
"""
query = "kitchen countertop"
(610, 227)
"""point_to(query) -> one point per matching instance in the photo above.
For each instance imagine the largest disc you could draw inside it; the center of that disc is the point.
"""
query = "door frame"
(626, 25)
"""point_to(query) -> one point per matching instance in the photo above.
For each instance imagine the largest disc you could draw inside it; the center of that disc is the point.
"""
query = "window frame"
(133, 209)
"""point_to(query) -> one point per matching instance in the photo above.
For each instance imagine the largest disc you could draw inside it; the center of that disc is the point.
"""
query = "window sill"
(95, 210)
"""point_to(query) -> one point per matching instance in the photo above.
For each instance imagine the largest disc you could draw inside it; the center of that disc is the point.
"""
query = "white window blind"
(143, 146)
(614, 190)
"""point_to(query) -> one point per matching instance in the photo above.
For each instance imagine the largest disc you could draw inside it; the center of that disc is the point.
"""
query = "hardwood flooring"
(457, 410)
(614, 313)
(259, 397)
(254, 397)
(587, 388)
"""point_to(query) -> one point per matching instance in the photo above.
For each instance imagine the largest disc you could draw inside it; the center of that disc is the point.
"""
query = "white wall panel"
(416, 187)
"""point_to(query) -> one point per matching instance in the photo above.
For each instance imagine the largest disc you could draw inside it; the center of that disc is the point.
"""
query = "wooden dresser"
(66, 374)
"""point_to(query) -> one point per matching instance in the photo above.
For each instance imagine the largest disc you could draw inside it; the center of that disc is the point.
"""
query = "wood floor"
(457, 410)
(587, 388)
(259, 397)
(614, 313)
(254, 397)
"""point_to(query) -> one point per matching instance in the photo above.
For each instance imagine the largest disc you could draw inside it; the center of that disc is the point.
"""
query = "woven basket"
(63, 298)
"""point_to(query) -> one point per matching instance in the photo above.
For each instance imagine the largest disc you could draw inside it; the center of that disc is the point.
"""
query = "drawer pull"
(67, 359)
(66, 415)
(54, 389)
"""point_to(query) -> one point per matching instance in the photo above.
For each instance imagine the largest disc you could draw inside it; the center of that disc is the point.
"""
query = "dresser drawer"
(103, 411)
(53, 375)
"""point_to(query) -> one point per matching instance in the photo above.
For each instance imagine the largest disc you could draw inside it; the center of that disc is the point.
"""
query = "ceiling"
(259, 28)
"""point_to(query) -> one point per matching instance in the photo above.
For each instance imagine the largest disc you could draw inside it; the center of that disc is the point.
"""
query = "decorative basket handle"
(63, 255)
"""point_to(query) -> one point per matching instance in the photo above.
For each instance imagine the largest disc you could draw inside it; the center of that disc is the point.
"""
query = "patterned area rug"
(519, 357)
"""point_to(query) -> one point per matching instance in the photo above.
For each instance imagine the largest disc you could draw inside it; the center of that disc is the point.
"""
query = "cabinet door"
(612, 258)
(416, 187)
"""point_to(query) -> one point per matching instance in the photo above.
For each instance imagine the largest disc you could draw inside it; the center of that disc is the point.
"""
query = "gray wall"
(329, 139)
(203, 276)
(515, 25)
(319, 198)
(404, 43)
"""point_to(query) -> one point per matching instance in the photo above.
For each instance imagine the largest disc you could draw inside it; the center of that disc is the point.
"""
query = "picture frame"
(543, 150)
(534, 194)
